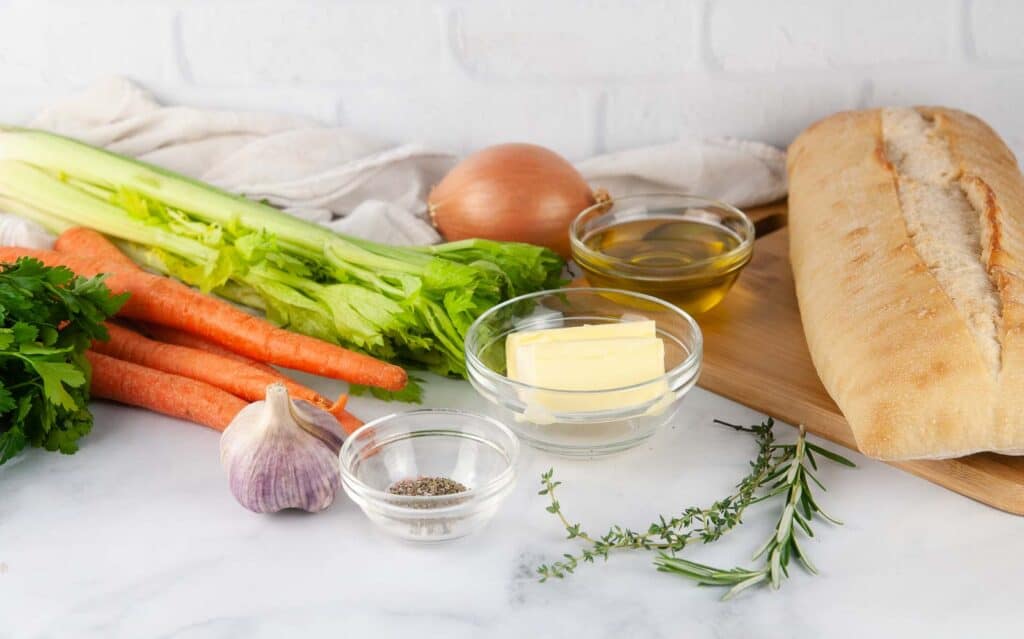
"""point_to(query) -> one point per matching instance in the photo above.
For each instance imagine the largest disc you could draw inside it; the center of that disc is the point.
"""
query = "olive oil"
(687, 261)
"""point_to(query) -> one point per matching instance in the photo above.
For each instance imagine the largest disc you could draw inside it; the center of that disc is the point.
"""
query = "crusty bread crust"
(889, 338)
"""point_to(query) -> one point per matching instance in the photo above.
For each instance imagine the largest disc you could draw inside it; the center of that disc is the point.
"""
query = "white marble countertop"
(137, 536)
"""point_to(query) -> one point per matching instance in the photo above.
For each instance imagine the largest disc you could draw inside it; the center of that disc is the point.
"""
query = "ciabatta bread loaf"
(907, 244)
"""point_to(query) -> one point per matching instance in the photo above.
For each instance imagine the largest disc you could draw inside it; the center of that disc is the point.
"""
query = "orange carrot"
(169, 335)
(181, 338)
(160, 392)
(165, 301)
(85, 242)
(227, 374)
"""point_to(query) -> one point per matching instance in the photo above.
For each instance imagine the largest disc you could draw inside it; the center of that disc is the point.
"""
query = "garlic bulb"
(17, 231)
(282, 454)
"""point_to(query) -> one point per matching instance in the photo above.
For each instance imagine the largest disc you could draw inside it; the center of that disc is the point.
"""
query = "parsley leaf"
(57, 375)
(48, 317)
(7, 401)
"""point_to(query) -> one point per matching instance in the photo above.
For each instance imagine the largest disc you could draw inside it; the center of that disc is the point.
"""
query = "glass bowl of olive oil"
(684, 249)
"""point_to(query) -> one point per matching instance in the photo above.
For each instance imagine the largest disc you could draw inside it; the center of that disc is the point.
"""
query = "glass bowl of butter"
(584, 372)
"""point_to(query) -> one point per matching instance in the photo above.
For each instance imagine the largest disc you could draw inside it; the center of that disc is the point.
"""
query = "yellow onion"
(511, 192)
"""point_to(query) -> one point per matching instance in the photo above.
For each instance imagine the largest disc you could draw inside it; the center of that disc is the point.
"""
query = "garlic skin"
(282, 454)
(17, 231)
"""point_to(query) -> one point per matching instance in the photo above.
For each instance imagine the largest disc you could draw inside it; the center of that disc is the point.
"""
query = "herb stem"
(737, 427)
(778, 469)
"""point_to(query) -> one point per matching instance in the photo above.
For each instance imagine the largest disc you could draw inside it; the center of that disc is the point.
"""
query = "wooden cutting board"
(755, 354)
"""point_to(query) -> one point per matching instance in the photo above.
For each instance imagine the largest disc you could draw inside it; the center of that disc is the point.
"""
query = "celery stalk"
(412, 305)
(64, 156)
(34, 188)
(50, 222)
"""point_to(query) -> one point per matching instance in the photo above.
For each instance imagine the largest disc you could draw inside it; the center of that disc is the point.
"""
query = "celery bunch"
(406, 305)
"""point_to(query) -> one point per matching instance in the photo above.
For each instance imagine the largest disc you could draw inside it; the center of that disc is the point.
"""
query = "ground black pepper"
(426, 487)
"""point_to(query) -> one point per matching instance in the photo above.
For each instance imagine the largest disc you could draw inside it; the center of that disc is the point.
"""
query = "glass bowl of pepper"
(430, 475)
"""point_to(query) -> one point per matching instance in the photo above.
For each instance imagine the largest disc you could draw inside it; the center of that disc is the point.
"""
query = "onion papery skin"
(511, 193)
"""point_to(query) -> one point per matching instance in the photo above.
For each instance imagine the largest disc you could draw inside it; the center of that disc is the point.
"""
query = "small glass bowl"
(697, 285)
(583, 431)
(477, 451)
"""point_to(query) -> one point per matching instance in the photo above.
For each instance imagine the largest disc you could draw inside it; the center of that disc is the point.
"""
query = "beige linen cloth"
(354, 183)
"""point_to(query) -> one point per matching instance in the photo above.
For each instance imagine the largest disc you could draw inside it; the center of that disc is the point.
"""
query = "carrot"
(165, 301)
(161, 392)
(169, 335)
(181, 338)
(227, 374)
(85, 242)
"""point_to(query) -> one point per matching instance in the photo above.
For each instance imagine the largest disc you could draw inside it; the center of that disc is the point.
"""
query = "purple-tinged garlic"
(282, 454)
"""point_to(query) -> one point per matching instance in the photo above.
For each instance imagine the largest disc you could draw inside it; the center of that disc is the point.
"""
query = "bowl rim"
(495, 484)
(744, 248)
(692, 360)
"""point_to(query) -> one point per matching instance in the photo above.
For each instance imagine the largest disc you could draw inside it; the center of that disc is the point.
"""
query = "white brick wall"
(48, 45)
(995, 30)
(239, 43)
(582, 76)
(800, 34)
(577, 41)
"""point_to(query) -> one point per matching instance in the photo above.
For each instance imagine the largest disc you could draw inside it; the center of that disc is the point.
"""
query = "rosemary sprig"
(778, 469)
(791, 479)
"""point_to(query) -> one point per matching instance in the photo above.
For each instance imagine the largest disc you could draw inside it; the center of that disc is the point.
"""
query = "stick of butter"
(600, 357)
(513, 342)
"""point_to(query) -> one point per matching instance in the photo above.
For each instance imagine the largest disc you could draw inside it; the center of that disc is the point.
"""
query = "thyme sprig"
(778, 469)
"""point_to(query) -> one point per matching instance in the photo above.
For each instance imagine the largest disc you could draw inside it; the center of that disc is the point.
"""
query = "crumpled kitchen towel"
(354, 183)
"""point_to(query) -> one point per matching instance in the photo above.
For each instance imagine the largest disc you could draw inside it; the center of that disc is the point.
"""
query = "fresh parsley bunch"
(48, 318)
